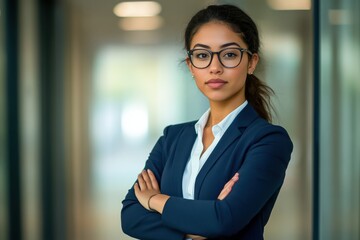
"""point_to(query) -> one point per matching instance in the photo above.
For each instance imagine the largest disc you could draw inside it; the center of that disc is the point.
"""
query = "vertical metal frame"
(12, 120)
(316, 119)
(51, 72)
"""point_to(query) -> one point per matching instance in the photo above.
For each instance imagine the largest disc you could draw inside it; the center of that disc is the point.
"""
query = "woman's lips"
(215, 83)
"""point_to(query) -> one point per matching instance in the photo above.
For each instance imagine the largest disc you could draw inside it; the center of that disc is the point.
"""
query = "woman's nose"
(215, 65)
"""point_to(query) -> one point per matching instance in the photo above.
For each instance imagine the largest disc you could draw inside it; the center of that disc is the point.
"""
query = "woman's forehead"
(215, 35)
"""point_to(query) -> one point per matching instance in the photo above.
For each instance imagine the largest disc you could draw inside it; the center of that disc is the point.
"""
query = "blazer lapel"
(235, 130)
(181, 156)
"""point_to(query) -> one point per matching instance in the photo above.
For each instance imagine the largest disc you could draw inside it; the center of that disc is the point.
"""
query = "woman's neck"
(218, 111)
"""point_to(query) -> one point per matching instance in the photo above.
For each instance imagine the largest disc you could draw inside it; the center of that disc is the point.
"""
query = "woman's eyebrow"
(201, 45)
(229, 44)
(222, 46)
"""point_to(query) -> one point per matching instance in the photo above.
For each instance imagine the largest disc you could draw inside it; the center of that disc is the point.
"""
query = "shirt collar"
(200, 124)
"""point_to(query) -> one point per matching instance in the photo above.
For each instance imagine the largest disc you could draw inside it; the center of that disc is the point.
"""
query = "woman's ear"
(188, 63)
(253, 63)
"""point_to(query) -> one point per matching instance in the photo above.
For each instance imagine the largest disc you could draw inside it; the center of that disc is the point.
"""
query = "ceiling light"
(134, 121)
(137, 9)
(141, 23)
(290, 4)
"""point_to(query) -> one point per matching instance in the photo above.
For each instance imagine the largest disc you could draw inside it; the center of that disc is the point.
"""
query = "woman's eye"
(230, 55)
(202, 55)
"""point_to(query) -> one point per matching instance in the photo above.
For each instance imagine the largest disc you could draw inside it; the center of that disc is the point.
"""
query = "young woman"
(219, 177)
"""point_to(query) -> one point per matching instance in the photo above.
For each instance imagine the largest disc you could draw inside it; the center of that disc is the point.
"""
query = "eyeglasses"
(228, 57)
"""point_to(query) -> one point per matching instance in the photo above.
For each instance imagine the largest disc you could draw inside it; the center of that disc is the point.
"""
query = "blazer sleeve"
(261, 176)
(140, 223)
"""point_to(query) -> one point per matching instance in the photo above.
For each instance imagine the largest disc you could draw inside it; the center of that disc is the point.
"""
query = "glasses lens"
(200, 58)
(230, 57)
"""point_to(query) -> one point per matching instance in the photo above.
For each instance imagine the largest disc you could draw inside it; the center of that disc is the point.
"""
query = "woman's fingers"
(136, 188)
(195, 237)
(233, 180)
(146, 178)
(228, 186)
(146, 187)
(223, 193)
(141, 182)
(235, 177)
(152, 177)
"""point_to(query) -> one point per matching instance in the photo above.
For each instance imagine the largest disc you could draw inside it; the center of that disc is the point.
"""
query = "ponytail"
(258, 94)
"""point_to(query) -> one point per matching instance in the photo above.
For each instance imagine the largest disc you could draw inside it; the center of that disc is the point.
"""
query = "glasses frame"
(242, 50)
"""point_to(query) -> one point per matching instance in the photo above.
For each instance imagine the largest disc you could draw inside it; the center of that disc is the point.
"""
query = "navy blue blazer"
(256, 149)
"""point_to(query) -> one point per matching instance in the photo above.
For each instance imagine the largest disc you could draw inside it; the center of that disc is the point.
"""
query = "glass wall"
(339, 204)
(83, 81)
(29, 86)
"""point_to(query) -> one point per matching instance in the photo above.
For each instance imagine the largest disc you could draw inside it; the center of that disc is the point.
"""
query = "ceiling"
(96, 20)
(97, 24)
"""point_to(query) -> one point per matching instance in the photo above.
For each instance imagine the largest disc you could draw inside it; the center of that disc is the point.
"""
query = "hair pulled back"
(256, 92)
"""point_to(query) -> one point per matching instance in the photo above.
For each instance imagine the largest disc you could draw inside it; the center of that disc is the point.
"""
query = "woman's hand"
(228, 186)
(194, 237)
(146, 187)
(223, 194)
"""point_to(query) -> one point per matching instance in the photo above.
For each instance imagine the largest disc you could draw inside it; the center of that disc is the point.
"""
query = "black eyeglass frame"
(242, 50)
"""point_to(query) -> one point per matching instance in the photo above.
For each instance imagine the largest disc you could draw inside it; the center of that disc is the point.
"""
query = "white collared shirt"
(197, 161)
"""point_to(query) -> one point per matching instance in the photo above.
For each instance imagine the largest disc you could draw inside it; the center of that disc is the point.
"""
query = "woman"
(219, 177)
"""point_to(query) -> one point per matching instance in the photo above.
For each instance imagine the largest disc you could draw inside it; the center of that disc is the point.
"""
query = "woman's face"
(218, 83)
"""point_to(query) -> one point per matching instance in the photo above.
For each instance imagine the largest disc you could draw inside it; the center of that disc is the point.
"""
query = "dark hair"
(256, 92)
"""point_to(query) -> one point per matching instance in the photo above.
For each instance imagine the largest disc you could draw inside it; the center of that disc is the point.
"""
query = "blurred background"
(85, 91)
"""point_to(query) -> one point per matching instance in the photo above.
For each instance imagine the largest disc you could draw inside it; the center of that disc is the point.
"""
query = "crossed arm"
(262, 173)
(148, 193)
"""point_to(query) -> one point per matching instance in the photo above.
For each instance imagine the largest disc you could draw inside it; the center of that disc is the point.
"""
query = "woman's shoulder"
(260, 128)
(263, 125)
(176, 128)
(172, 134)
